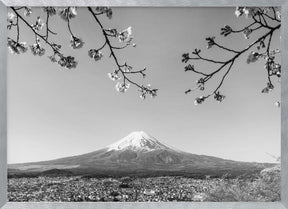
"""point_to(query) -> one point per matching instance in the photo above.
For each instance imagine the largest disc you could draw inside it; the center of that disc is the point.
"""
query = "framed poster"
(143, 104)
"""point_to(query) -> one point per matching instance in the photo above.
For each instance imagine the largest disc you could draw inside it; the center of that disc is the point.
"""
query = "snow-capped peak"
(137, 141)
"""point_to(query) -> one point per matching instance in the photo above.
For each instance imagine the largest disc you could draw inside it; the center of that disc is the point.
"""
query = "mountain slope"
(138, 154)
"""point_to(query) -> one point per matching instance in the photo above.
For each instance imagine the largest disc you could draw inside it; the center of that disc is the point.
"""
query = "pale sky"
(53, 112)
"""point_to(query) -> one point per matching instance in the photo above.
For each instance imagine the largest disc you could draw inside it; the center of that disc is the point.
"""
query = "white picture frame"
(144, 3)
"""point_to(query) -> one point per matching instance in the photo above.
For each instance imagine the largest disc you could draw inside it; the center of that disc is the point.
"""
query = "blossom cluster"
(272, 67)
(76, 43)
(27, 11)
(95, 54)
(127, 68)
(105, 10)
(10, 20)
(16, 48)
(199, 100)
(68, 13)
(38, 25)
(146, 91)
(114, 76)
(268, 88)
(219, 97)
(122, 87)
(67, 62)
(249, 11)
(253, 57)
(37, 49)
(50, 10)
(247, 32)
(124, 36)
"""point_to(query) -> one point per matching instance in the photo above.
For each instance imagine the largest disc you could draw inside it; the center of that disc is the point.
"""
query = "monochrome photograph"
(143, 104)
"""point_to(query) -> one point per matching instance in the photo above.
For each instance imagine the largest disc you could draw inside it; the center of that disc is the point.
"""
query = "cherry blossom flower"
(27, 11)
(52, 58)
(109, 13)
(219, 97)
(199, 100)
(239, 11)
(76, 43)
(68, 13)
(127, 68)
(267, 89)
(122, 87)
(276, 70)
(147, 90)
(11, 17)
(248, 11)
(38, 25)
(37, 49)
(247, 33)
(125, 34)
(278, 15)
(211, 41)
(50, 10)
(251, 11)
(112, 32)
(17, 48)
(252, 57)
(95, 54)
(67, 62)
(106, 10)
(114, 76)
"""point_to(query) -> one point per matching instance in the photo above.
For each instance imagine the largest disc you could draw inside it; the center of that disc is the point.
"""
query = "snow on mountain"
(137, 141)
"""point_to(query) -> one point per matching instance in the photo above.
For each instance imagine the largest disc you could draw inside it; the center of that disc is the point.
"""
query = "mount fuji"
(137, 154)
(137, 141)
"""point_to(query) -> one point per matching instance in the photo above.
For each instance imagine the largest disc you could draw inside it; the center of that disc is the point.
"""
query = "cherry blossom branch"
(36, 33)
(144, 90)
(272, 67)
(67, 62)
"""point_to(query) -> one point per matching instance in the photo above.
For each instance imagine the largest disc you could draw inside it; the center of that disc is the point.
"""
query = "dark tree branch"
(76, 43)
(240, 31)
(36, 33)
(205, 59)
(225, 48)
(47, 27)
(223, 78)
(260, 20)
(18, 32)
(112, 54)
